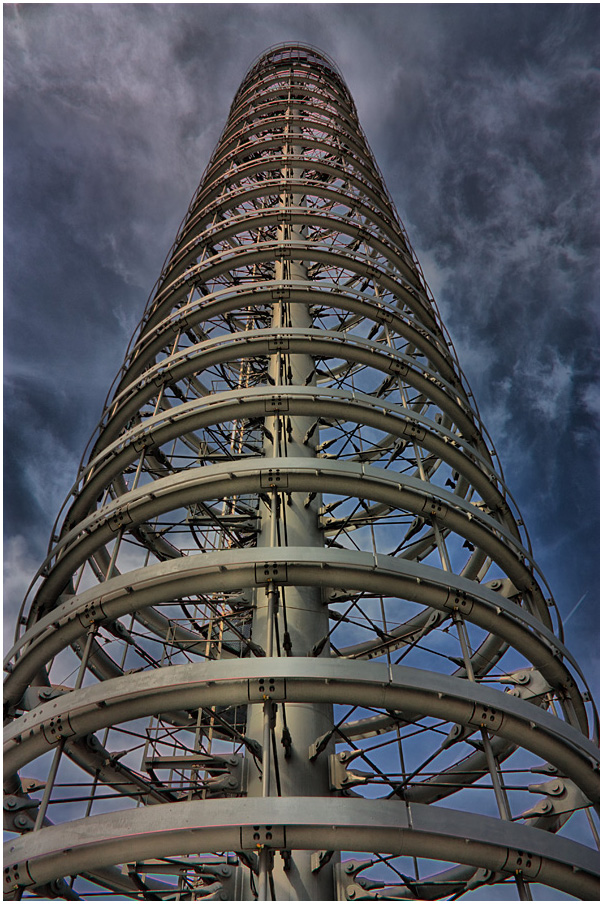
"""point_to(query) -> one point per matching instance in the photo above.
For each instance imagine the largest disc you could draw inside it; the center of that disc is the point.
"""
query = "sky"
(484, 122)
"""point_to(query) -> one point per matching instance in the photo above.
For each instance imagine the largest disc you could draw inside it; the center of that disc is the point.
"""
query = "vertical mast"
(292, 619)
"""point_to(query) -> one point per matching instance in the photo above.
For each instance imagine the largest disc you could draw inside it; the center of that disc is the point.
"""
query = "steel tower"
(289, 641)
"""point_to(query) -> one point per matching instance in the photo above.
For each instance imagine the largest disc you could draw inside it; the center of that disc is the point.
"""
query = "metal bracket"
(250, 860)
(17, 876)
(320, 859)
(262, 689)
(92, 614)
(486, 717)
(345, 875)
(528, 684)
(316, 748)
(13, 803)
(458, 602)
(226, 780)
(55, 728)
(434, 508)
(31, 785)
(271, 571)
(277, 343)
(274, 478)
(16, 817)
(215, 892)
(340, 777)
(276, 403)
(34, 696)
(259, 837)
(225, 772)
(562, 799)
(504, 586)
(414, 431)
(142, 442)
(398, 368)
(457, 733)
(545, 769)
(118, 519)
(522, 863)
(382, 315)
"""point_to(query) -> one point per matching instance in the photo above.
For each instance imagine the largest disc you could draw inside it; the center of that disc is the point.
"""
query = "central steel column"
(298, 614)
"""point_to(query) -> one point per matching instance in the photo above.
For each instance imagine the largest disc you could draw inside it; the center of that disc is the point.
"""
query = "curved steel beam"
(226, 300)
(302, 823)
(234, 569)
(301, 680)
(327, 343)
(272, 186)
(217, 481)
(252, 220)
(357, 407)
(215, 189)
(178, 289)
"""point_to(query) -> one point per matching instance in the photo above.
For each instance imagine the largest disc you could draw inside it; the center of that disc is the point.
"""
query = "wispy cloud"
(548, 384)
(19, 566)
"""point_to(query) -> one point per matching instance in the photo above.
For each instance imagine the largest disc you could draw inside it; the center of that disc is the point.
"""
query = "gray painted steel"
(290, 603)
(301, 823)
(395, 688)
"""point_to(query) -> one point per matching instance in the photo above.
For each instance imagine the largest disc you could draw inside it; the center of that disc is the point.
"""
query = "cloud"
(19, 566)
(590, 399)
(548, 385)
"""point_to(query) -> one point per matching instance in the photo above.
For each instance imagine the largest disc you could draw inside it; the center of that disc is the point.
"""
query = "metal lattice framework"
(290, 567)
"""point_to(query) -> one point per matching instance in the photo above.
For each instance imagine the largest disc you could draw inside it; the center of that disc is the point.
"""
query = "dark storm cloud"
(484, 121)
(501, 138)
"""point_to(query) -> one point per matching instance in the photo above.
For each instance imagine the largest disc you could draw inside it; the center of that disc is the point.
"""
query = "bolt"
(350, 893)
(21, 821)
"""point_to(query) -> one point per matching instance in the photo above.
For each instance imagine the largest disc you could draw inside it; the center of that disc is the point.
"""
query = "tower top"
(296, 51)
(304, 55)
